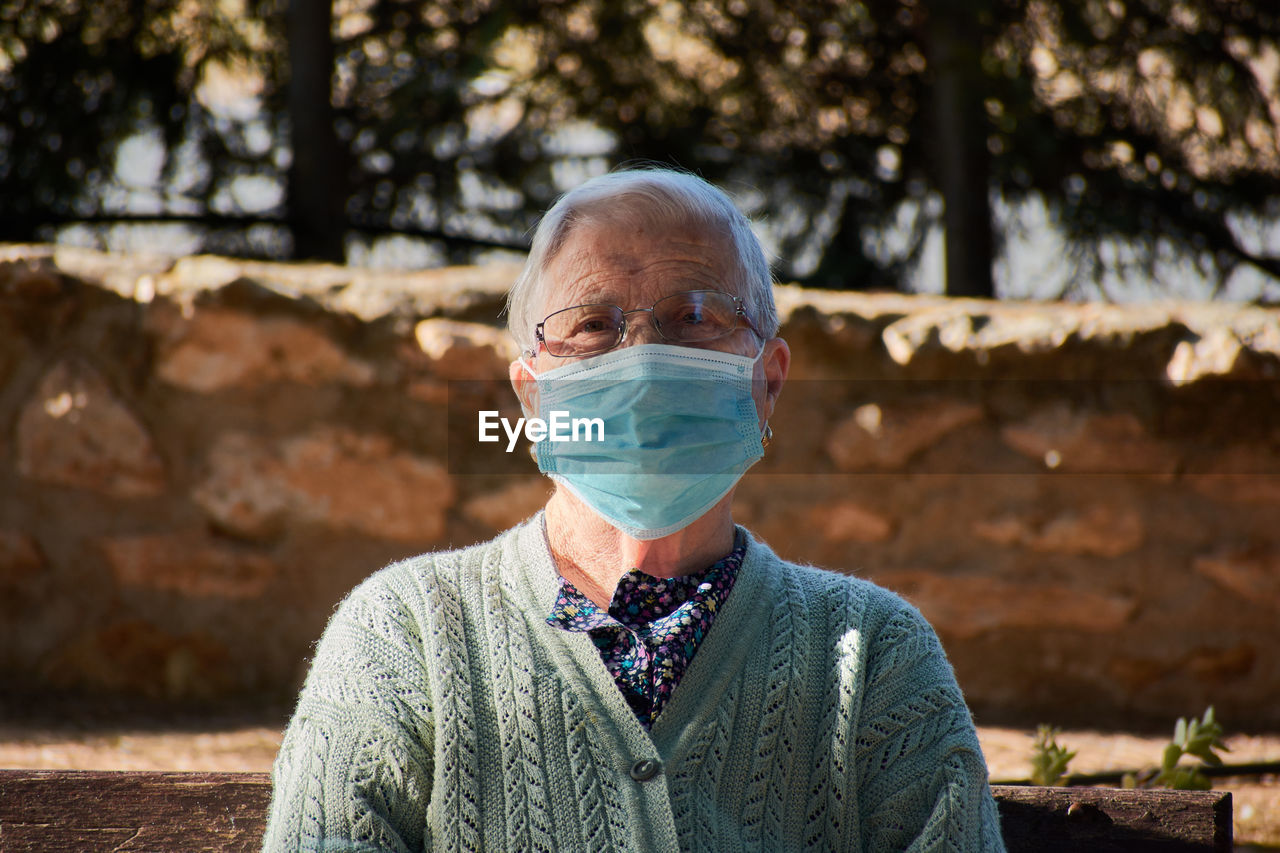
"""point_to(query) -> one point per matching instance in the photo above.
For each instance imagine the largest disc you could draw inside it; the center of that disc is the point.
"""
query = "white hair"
(643, 196)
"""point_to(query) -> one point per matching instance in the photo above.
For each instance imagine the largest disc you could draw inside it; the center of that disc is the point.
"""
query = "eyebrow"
(608, 297)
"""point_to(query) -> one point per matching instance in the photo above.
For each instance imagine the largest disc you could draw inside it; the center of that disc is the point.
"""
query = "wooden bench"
(87, 811)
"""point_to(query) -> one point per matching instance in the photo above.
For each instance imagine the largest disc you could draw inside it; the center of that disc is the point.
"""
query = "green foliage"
(1196, 738)
(1049, 760)
(79, 78)
(1191, 737)
(1143, 123)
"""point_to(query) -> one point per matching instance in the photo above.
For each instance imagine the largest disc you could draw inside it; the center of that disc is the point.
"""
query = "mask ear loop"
(528, 368)
(761, 339)
(766, 434)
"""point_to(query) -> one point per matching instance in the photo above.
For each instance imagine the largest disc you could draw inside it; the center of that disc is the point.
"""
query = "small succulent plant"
(1049, 760)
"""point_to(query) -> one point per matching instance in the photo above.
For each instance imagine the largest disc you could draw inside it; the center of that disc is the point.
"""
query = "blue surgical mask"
(680, 429)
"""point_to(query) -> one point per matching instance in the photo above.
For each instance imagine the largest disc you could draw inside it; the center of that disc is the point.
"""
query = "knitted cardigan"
(442, 712)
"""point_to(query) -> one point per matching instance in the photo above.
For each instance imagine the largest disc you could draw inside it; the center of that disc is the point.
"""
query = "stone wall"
(199, 457)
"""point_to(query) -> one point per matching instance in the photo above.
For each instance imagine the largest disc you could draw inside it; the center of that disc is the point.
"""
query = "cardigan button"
(644, 770)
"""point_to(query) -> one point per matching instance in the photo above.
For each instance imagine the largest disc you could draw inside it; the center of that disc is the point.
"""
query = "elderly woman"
(628, 670)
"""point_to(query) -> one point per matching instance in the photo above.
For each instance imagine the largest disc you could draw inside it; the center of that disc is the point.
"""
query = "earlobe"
(525, 386)
(777, 363)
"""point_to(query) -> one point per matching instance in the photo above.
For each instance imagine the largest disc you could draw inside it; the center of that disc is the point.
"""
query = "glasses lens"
(696, 315)
(583, 330)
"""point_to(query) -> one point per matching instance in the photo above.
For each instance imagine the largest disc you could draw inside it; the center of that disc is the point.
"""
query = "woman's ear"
(525, 386)
(775, 362)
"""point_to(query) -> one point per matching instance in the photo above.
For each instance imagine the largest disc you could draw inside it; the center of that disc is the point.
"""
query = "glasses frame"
(740, 311)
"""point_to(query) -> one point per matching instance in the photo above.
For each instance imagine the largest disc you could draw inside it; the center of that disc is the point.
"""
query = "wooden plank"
(1065, 820)
(89, 811)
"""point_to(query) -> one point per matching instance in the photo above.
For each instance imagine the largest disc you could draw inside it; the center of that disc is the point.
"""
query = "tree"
(79, 79)
(317, 176)
(962, 168)
(853, 127)
(1152, 123)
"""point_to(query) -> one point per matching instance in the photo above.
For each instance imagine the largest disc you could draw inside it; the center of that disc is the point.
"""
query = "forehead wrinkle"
(591, 274)
(644, 285)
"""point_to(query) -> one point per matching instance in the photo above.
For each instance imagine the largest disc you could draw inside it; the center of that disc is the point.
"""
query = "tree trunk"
(960, 139)
(316, 182)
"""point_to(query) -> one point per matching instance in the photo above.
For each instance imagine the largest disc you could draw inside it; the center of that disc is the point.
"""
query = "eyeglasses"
(689, 317)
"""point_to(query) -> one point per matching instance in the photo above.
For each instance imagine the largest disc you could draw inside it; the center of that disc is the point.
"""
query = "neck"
(593, 555)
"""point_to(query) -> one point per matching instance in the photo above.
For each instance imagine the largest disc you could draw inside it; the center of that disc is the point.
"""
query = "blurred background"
(1114, 149)
(252, 263)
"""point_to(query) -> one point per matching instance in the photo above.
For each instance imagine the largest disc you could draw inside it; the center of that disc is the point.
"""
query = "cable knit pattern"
(442, 712)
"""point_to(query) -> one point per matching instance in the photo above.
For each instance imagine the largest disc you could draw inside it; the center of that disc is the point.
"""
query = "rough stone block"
(461, 350)
(1252, 573)
(330, 476)
(188, 564)
(1102, 531)
(963, 607)
(847, 521)
(1068, 440)
(75, 431)
(880, 437)
(218, 348)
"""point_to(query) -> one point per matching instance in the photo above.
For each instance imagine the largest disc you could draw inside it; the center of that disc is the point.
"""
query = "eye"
(699, 312)
(684, 310)
(690, 315)
(595, 323)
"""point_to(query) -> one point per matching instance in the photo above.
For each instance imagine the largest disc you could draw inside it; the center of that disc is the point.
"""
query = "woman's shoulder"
(411, 580)
(818, 579)
(831, 588)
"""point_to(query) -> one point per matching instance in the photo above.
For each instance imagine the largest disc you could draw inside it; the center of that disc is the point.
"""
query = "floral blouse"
(653, 627)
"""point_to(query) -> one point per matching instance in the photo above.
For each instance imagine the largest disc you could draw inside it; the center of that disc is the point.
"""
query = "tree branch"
(216, 221)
